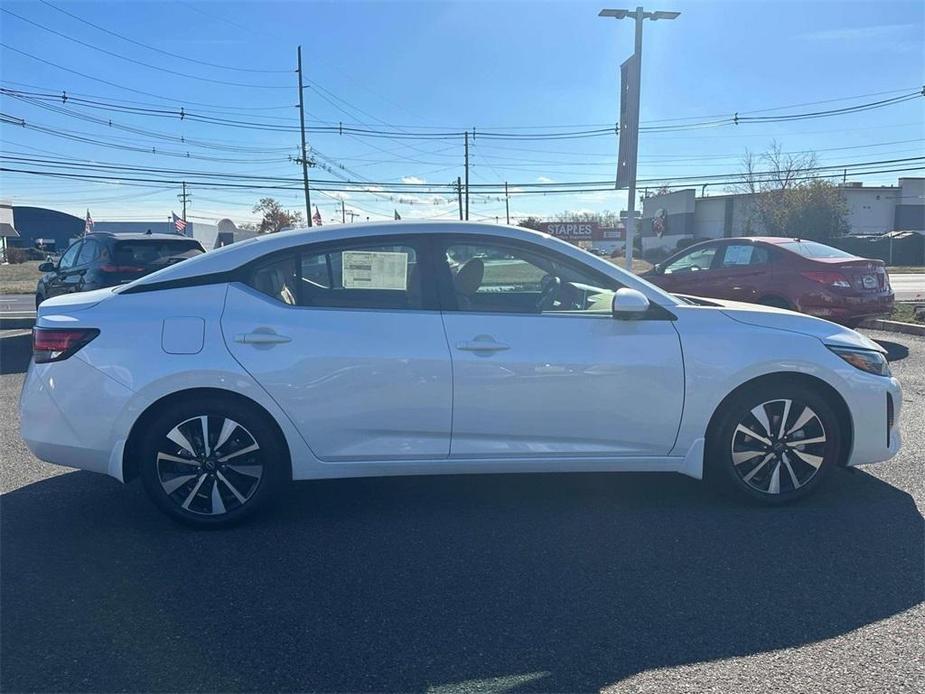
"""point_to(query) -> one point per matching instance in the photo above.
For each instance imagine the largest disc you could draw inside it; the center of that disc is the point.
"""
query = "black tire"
(748, 466)
(184, 484)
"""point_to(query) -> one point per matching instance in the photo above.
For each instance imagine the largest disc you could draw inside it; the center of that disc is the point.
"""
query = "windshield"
(811, 249)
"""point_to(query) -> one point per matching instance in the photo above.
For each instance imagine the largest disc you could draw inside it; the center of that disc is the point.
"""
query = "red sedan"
(789, 273)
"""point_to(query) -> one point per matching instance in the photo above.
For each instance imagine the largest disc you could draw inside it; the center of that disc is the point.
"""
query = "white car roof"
(233, 256)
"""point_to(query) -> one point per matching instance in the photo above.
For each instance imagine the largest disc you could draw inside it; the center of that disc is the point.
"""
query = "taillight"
(57, 344)
(832, 279)
(120, 268)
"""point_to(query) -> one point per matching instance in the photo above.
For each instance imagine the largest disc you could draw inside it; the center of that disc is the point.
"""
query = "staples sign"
(573, 231)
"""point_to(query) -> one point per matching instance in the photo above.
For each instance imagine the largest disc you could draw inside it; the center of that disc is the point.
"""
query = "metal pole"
(507, 204)
(631, 191)
(459, 193)
(343, 213)
(467, 175)
(308, 199)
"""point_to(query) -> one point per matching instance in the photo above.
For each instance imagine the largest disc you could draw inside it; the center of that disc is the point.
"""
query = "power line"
(138, 62)
(159, 50)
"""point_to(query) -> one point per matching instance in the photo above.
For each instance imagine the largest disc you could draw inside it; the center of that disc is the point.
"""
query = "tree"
(275, 218)
(787, 201)
(530, 223)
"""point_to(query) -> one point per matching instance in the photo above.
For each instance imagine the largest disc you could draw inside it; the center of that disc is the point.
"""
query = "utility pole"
(353, 215)
(183, 197)
(507, 205)
(631, 87)
(343, 213)
(459, 193)
(308, 199)
(467, 175)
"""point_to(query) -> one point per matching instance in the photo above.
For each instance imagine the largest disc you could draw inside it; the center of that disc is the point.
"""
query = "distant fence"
(897, 248)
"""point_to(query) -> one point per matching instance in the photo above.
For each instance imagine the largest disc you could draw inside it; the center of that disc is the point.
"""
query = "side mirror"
(47, 267)
(629, 304)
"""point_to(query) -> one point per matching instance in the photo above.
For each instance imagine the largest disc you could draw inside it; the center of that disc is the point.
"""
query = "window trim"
(419, 242)
(447, 293)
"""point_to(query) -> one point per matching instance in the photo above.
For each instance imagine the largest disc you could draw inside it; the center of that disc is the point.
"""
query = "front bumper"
(877, 435)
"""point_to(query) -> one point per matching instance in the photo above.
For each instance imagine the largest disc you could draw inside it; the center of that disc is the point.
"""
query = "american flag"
(316, 218)
(88, 225)
(180, 224)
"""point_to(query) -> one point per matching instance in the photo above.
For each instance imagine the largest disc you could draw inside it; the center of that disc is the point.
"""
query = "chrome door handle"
(261, 338)
(478, 345)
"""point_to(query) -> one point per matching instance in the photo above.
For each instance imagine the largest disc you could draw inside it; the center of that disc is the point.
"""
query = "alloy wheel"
(209, 465)
(778, 446)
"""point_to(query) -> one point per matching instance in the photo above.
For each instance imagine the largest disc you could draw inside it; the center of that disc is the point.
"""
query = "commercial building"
(51, 230)
(670, 217)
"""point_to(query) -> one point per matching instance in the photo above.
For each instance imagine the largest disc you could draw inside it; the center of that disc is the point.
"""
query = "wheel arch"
(832, 396)
(136, 433)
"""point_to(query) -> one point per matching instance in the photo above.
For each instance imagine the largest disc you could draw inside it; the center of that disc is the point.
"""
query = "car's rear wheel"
(775, 443)
(211, 462)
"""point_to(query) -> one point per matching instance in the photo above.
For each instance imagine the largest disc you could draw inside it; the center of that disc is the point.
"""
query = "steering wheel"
(549, 292)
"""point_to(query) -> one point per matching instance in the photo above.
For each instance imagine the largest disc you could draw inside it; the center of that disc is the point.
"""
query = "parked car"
(790, 273)
(103, 259)
(430, 348)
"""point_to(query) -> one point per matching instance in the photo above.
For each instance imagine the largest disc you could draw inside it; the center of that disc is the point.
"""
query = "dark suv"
(107, 259)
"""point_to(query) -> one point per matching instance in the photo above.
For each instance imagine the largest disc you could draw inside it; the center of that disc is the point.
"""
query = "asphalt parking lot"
(637, 583)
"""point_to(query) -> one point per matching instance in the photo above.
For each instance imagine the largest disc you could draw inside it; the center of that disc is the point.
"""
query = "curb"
(894, 326)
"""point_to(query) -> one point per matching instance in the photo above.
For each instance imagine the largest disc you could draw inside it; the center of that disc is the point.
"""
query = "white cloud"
(864, 33)
(544, 179)
(412, 179)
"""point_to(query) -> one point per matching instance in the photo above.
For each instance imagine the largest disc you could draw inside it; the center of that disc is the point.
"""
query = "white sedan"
(438, 348)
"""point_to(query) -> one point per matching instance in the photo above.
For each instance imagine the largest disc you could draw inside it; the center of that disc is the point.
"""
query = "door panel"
(358, 384)
(553, 385)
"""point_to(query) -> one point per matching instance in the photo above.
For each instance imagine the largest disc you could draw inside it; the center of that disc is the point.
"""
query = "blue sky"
(451, 65)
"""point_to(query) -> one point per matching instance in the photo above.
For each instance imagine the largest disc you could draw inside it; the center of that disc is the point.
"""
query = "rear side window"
(742, 254)
(89, 252)
(147, 253)
(359, 277)
(811, 249)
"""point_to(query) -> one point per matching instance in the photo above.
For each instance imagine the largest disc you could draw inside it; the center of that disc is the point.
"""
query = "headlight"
(865, 360)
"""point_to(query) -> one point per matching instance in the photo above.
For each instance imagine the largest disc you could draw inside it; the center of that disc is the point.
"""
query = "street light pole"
(639, 15)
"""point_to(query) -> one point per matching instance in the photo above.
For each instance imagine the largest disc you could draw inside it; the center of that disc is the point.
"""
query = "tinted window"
(67, 260)
(741, 254)
(154, 252)
(696, 260)
(361, 276)
(88, 252)
(493, 277)
(811, 249)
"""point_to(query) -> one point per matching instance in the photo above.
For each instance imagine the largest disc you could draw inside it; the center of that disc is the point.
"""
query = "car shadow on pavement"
(556, 582)
(15, 353)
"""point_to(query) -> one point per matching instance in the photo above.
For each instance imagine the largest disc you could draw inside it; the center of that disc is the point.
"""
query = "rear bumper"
(68, 411)
(841, 308)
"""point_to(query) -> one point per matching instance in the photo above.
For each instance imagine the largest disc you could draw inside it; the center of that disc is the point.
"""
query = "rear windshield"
(811, 249)
(150, 252)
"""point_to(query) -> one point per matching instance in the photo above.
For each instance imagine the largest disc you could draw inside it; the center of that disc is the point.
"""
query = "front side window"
(697, 260)
(357, 277)
(498, 278)
(743, 254)
(69, 257)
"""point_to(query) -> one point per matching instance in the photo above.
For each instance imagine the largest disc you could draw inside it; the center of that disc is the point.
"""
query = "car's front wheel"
(775, 443)
(211, 462)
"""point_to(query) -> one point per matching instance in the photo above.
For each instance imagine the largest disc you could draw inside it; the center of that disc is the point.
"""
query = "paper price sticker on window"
(375, 270)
